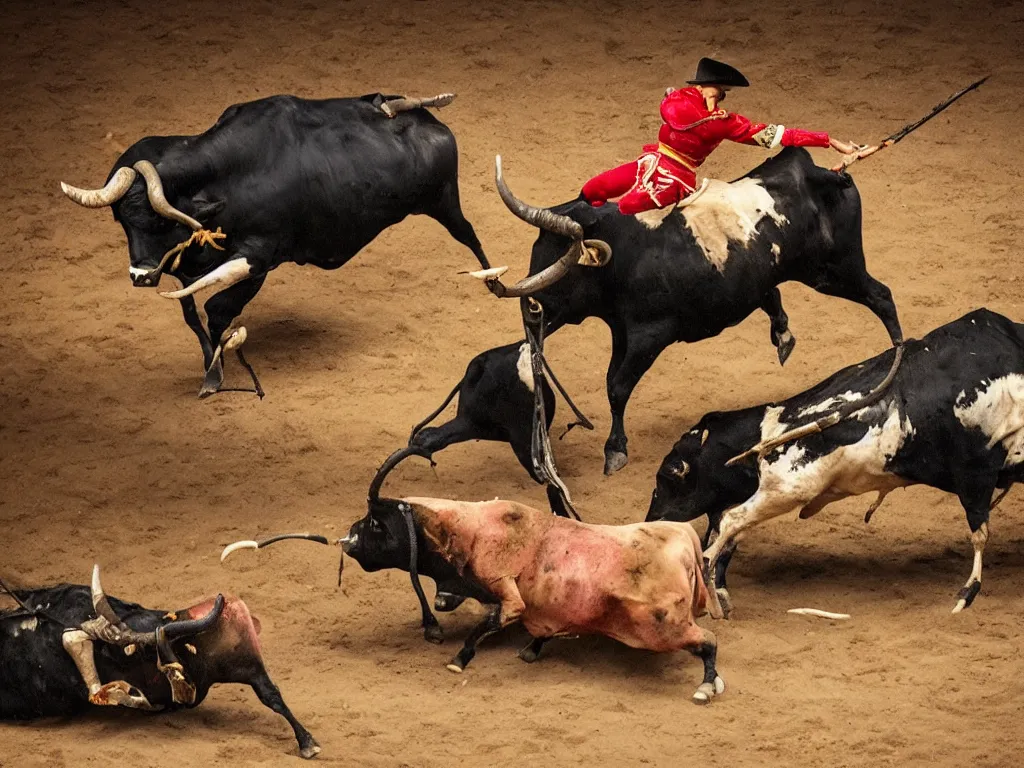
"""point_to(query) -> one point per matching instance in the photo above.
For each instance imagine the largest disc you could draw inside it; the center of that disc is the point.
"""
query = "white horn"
(236, 546)
(819, 614)
(222, 277)
(100, 198)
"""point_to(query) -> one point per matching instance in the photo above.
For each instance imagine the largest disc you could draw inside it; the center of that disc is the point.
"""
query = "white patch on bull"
(770, 424)
(998, 411)
(654, 218)
(728, 213)
(29, 625)
(848, 470)
(525, 366)
(830, 404)
(137, 271)
(776, 251)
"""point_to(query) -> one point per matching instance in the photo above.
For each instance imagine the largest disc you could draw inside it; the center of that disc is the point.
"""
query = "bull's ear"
(205, 209)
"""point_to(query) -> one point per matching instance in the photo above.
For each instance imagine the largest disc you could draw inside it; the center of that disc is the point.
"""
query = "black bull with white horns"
(388, 537)
(58, 645)
(277, 180)
(688, 273)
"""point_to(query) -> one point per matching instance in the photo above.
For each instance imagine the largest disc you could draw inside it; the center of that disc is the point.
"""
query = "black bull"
(39, 675)
(282, 179)
(662, 286)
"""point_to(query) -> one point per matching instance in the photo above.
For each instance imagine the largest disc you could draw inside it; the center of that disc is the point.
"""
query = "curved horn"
(224, 276)
(116, 188)
(390, 463)
(195, 626)
(99, 599)
(272, 540)
(538, 217)
(157, 199)
(534, 283)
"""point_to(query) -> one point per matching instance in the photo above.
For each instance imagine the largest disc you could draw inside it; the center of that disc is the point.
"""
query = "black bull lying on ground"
(280, 179)
(952, 418)
(688, 273)
(58, 646)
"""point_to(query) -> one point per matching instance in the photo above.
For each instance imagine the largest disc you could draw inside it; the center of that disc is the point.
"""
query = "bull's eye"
(681, 470)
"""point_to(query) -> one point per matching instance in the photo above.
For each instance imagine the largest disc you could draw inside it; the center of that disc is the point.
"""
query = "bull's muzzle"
(348, 543)
(144, 278)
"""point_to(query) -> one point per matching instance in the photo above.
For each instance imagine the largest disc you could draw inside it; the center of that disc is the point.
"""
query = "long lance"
(903, 132)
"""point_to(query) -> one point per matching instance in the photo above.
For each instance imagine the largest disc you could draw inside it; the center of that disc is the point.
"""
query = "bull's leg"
(531, 653)
(271, 697)
(449, 214)
(196, 323)
(977, 504)
(783, 340)
(758, 508)
(221, 310)
(500, 616)
(706, 648)
(79, 647)
(641, 350)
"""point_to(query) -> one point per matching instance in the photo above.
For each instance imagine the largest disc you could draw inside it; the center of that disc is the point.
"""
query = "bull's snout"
(143, 278)
(349, 542)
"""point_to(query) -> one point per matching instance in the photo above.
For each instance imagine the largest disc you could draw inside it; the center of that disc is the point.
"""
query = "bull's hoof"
(966, 596)
(433, 634)
(785, 348)
(213, 380)
(445, 602)
(454, 666)
(310, 751)
(614, 461)
(707, 691)
(725, 601)
(529, 654)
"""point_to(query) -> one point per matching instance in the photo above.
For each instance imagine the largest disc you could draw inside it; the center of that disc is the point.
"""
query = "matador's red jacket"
(667, 171)
(690, 144)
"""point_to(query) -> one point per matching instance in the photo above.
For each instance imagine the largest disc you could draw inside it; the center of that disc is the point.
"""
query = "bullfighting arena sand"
(108, 457)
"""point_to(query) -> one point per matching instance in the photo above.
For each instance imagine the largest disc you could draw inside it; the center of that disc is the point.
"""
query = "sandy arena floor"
(106, 455)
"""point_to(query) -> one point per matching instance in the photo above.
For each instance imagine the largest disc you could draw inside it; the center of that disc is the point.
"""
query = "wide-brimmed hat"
(711, 72)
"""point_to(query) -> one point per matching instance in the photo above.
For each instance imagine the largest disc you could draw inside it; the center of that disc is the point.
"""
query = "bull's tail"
(392, 107)
(436, 413)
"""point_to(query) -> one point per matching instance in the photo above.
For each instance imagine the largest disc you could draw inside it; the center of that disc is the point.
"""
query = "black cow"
(688, 273)
(496, 402)
(951, 418)
(280, 179)
(58, 646)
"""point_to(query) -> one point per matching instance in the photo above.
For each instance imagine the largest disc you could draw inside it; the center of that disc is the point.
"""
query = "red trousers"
(652, 181)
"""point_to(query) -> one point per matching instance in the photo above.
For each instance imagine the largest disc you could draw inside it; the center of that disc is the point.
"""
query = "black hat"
(711, 72)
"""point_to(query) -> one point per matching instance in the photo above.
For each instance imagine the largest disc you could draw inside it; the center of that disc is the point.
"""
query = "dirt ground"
(106, 455)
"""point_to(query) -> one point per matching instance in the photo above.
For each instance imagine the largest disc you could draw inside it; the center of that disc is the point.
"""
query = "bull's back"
(635, 583)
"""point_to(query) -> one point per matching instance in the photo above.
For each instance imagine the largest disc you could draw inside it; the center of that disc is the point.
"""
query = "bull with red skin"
(639, 584)
(56, 639)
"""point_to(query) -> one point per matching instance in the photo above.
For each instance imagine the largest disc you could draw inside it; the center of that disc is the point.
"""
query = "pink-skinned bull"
(639, 584)
(60, 643)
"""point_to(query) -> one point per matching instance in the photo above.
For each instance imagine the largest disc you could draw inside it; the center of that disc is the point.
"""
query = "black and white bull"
(58, 646)
(688, 273)
(277, 180)
(951, 418)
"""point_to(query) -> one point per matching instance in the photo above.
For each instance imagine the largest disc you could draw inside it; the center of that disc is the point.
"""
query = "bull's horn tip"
(64, 188)
(236, 546)
(487, 274)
